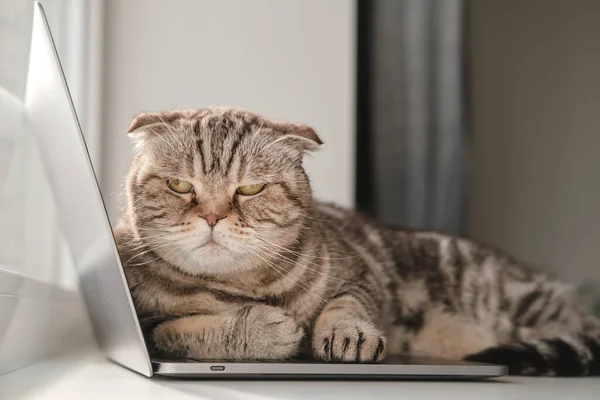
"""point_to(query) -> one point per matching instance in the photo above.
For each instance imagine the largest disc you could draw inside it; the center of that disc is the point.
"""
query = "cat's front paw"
(348, 340)
(254, 332)
(267, 333)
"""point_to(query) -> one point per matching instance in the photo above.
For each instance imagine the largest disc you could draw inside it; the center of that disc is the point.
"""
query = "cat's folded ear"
(144, 125)
(141, 128)
(302, 138)
(144, 120)
(308, 134)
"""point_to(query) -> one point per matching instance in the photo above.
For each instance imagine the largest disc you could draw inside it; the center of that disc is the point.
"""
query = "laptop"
(84, 222)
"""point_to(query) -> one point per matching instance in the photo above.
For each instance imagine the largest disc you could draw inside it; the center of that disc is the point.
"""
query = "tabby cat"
(228, 256)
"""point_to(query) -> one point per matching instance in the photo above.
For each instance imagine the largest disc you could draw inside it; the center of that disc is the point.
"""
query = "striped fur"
(282, 275)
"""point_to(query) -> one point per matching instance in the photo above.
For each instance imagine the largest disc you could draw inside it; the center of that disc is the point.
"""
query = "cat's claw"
(348, 341)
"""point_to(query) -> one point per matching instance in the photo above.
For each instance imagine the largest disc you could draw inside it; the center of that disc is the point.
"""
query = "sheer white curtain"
(30, 242)
(78, 30)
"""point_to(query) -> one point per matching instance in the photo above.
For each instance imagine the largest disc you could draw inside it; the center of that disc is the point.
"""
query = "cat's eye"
(181, 187)
(250, 190)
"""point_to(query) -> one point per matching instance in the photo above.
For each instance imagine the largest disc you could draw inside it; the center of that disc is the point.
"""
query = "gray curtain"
(416, 107)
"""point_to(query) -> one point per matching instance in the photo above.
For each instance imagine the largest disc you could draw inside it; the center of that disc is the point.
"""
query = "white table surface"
(91, 377)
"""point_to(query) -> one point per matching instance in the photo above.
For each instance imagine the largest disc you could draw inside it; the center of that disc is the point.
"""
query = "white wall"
(535, 166)
(286, 59)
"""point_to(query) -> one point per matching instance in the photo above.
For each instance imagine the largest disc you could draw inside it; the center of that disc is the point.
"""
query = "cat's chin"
(215, 260)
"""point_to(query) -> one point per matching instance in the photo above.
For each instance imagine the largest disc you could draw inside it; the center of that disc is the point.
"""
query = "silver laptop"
(85, 224)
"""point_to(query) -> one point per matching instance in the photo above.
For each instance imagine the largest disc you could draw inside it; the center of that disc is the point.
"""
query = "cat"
(228, 256)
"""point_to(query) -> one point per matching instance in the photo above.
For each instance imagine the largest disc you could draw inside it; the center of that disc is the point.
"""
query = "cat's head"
(218, 190)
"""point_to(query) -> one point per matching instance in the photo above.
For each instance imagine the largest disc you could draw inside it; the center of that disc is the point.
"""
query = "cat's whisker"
(278, 269)
(126, 263)
(154, 232)
(149, 250)
(142, 263)
(173, 249)
(308, 253)
(159, 237)
(299, 254)
(131, 247)
(156, 225)
(145, 241)
(136, 240)
(308, 216)
(147, 246)
(276, 254)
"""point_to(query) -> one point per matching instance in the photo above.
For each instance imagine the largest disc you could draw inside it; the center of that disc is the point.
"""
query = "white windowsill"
(87, 375)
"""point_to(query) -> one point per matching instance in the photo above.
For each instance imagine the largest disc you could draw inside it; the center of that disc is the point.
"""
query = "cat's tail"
(568, 355)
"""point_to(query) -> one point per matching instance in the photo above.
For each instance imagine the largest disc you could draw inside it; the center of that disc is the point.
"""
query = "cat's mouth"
(211, 244)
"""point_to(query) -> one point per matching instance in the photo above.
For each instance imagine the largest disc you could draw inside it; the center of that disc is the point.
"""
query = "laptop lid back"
(81, 211)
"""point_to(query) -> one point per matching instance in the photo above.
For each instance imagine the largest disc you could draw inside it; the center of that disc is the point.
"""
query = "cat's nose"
(212, 219)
